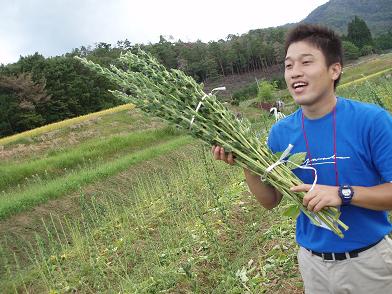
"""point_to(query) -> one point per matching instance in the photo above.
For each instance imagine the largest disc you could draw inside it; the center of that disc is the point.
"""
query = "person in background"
(279, 104)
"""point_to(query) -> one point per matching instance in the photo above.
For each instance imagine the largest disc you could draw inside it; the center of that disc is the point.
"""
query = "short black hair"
(323, 38)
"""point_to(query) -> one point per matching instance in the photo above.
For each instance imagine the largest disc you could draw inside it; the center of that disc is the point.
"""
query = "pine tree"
(359, 33)
(19, 97)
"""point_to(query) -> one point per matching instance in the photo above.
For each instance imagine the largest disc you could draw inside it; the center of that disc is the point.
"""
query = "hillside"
(61, 87)
(120, 202)
(364, 66)
(338, 13)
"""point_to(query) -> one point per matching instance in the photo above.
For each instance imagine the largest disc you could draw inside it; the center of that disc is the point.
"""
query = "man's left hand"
(320, 197)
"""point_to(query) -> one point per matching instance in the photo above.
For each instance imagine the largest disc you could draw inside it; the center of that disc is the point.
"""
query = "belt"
(343, 255)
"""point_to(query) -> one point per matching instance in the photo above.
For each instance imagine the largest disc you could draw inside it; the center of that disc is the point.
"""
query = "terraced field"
(123, 203)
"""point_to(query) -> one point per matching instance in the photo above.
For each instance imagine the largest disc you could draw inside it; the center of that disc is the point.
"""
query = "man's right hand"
(219, 154)
(267, 195)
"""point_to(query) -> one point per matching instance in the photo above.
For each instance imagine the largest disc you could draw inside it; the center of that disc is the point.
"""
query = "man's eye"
(306, 62)
(288, 65)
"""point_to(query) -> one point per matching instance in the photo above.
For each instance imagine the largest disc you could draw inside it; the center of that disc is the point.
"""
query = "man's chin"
(303, 101)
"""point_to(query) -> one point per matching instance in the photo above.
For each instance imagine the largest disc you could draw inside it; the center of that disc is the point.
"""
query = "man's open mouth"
(299, 85)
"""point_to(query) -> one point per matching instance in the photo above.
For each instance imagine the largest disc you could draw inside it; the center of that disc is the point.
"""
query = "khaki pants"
(369, 273)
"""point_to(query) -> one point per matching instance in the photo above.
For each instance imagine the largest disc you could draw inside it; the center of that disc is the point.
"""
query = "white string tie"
(282, 160)
(201, 102)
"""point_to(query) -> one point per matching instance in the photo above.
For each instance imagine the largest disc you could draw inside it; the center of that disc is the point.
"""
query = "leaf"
(278, 154)
(292, 211)
(295, 160)
(241, 274)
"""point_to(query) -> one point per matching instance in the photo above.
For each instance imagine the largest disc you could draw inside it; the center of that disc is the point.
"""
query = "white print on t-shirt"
(323, 160)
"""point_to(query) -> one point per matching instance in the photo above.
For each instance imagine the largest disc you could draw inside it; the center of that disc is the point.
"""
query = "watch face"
(346, 192)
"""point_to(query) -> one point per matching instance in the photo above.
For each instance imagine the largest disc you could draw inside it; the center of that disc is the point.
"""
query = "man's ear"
(335, 70)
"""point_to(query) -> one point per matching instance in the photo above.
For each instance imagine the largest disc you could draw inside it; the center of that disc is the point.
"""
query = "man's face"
(307, 76)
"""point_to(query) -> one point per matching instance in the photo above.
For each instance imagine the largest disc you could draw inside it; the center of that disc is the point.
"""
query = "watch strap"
(346, 193)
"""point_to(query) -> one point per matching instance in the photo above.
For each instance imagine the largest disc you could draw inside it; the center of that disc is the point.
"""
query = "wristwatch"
(346, 193)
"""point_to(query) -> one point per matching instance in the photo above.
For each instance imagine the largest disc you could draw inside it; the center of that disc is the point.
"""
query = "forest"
(36, 91)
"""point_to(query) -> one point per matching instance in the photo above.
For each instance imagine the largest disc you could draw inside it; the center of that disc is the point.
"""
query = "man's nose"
(296, 71)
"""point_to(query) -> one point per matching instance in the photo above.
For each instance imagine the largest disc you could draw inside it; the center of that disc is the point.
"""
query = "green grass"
(364, 78)
(59, 162)
(63, 124)
(377, 64)
(120, 123)
(41, 191)
(192, 230)
(124, 122)
(366, 67)
(377, 90)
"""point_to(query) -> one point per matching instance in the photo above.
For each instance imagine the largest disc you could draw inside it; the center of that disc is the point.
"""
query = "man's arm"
(267, 195)
(377, 197)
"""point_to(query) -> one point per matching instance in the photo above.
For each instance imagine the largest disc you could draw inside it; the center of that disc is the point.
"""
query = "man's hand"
(267, 195)
(320, 197)
(219, 154)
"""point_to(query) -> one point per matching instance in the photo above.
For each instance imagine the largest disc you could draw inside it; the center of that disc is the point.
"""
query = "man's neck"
(321, 108)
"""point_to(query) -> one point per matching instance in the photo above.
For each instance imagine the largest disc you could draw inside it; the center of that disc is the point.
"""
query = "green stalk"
(173, 96)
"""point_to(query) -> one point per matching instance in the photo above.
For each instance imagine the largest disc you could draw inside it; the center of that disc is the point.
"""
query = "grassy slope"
(99, 148)
(377, 90)
(352, 73)
(42, 191)
(191, 228)
(365, 67)
(63, 124)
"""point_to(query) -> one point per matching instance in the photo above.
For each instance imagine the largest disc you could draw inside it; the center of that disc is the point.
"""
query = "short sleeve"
(381, 145)
(272, 141)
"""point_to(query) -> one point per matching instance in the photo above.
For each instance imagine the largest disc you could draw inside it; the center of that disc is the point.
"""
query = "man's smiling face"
(307, 75)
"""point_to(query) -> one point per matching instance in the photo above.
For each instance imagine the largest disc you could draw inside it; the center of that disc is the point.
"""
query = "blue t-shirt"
(364, 158)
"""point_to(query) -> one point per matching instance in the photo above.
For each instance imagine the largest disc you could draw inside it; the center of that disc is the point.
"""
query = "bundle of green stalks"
(178, 99)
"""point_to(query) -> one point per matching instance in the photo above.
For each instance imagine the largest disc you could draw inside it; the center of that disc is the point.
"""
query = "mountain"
(336, 14)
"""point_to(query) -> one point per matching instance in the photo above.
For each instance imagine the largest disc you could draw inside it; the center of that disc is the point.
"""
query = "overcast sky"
(54, 27)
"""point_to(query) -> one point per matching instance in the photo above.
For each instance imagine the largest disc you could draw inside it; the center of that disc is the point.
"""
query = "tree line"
(36, 90)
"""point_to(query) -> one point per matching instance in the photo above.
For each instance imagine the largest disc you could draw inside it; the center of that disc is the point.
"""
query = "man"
(349, 143)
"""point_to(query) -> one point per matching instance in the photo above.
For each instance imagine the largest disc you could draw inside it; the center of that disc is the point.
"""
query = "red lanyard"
(334, 143)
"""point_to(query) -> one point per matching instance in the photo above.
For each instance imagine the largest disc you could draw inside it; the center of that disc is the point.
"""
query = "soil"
(236, 82)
